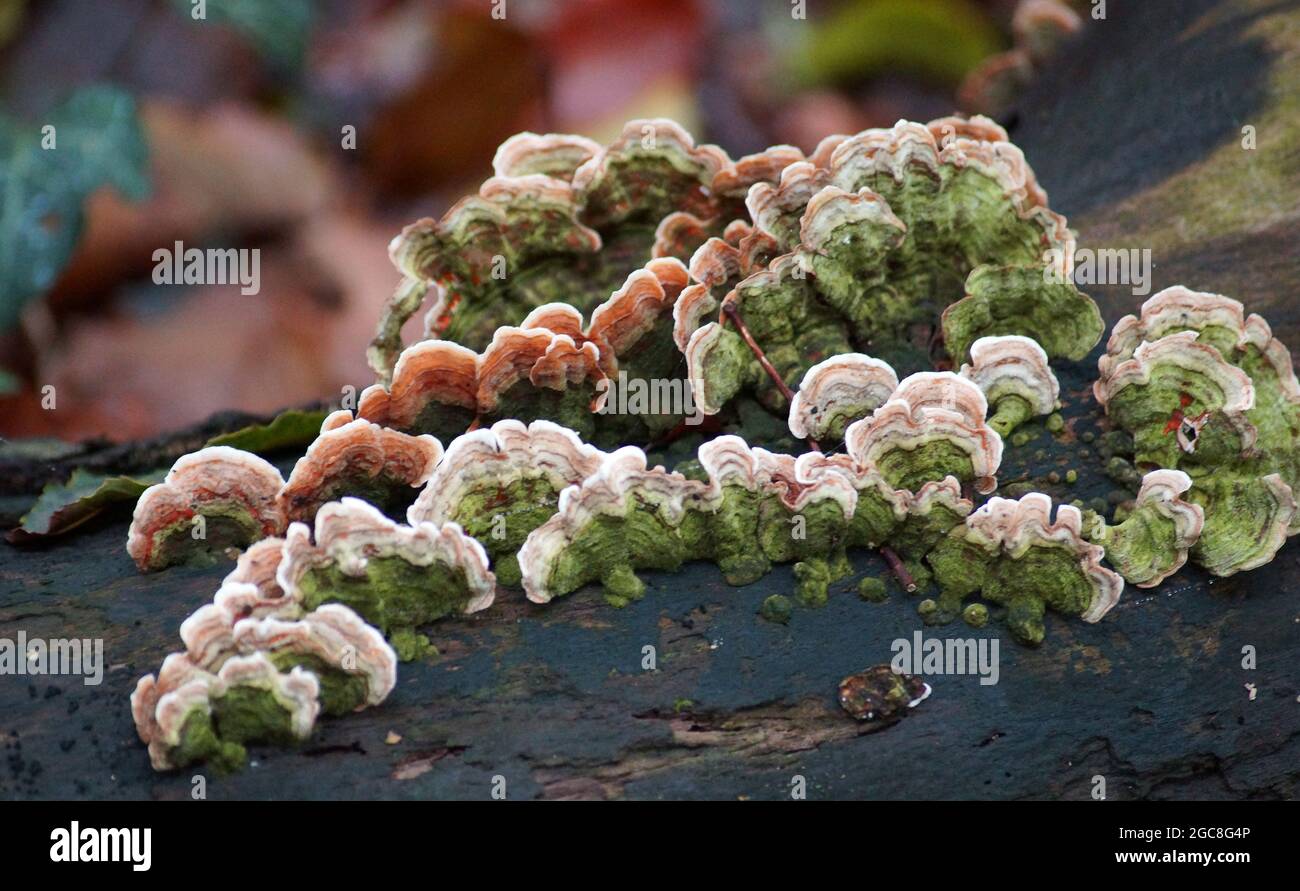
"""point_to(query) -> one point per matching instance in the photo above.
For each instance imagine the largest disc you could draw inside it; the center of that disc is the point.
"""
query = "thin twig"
(896, 565)
(733, 314)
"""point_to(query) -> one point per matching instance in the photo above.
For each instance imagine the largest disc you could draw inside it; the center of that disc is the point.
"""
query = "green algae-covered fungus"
(1012, 553)
(932, 427)
(396, 577)
(838, 391)
(353, 664)
(188, 715)
(1013, 373)
(567, 326)
(518, 243)
(501, 483)
(1023, 300)
(964, 197)
(645, 393)
(564, 219)
(755, 509)
(536, 372)
(525, 373)
(617, 378)
(211, 500)
(750, 509)
(909, 522)
(859, 247)
(1178, 396)
(783, 314)
(1151, 543)
(894, 227)
(1207, 390)
(259, 669)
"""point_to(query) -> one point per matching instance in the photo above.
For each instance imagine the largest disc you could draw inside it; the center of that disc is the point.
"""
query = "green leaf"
(62, 507)
(97, 140)
(290, 428)
(277, 28)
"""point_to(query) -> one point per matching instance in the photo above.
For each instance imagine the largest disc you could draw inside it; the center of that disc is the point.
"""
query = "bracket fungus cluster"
(551, 366)
(1152, 541)
(502, 482)
(396, 576)
(838, 391)
(220, 497)
(1012, 372)
(891, 241)
(259, 666)
(747, 508)
(356, 457)
(215, 498)
(1013, 553)
(627, 517)
(187, 714)
(1207, 390)
(564, 219)
(1017, 382)
(932, 426)
(922, 247)
(905, 233)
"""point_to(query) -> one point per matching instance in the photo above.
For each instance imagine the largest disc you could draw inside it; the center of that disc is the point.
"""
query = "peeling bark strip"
(770, 736)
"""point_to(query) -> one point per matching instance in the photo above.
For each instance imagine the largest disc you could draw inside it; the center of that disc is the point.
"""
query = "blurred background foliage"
(228, 131)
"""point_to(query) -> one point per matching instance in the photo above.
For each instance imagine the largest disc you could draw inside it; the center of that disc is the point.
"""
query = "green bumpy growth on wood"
(745, 510)
(563, 220)
(795, 329)
(258, 668)
(1002, 300)
(755, 509)
(875, 242)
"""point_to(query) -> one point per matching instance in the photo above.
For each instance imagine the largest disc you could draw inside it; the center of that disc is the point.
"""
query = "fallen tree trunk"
(1137, 135)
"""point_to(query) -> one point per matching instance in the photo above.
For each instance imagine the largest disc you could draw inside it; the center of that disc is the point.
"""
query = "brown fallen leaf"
(132, 376)
(228, 169)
